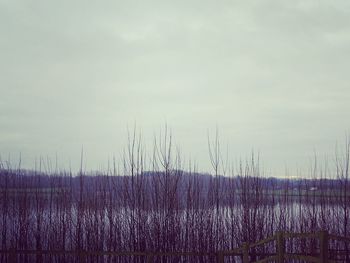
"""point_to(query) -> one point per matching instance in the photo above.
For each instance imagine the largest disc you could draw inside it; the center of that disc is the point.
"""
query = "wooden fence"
(247, 252)
(281, 255)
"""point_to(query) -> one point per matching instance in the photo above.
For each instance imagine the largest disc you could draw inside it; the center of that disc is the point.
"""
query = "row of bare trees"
(153, 204)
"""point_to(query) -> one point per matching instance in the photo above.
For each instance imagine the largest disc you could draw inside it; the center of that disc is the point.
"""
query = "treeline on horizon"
(168, 209)
(19, 182)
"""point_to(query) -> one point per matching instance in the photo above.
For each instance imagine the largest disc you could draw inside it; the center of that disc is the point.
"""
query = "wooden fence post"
(280, 246)
(39, 257)
(221, 257)
(323, 236)
(13, 256)
(149, 258)
(81, 256)
(245, 252)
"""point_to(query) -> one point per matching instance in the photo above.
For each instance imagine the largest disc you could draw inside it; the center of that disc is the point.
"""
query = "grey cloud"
(271, 74)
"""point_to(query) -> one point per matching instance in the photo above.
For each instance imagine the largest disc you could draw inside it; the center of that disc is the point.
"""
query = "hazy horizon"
(271, 75)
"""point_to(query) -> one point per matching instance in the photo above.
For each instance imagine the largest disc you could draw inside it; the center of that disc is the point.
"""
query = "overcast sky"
(272, 75)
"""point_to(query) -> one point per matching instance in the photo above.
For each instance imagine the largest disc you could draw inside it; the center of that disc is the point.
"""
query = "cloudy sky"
(272, 75)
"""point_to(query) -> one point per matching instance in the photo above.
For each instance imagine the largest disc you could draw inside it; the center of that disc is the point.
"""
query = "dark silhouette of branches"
(154, 204)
